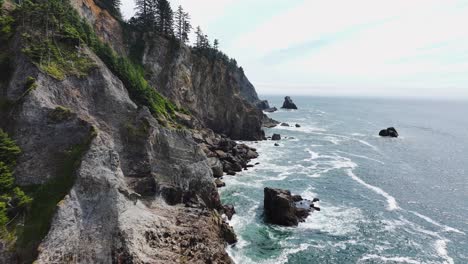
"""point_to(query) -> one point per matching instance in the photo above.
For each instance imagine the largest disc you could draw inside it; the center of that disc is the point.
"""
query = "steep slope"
(112, 178)
(218, 96)
(110, 184)
(209, 88)
(114, 203)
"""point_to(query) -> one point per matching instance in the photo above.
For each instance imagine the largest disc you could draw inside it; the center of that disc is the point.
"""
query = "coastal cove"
(383, 200)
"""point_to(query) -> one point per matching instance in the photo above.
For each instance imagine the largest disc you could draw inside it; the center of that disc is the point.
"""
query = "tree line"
(158, 16)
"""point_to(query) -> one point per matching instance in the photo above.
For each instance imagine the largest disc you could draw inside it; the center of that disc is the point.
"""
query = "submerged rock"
(288, 103)
(389, 132)
(297, 125)
(285, 124)
(276, 137)
(282, 208)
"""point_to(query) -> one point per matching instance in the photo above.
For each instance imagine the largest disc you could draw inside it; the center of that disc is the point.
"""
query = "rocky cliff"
(216, 93)
(218, 96)
(129, 160)
(112, 180)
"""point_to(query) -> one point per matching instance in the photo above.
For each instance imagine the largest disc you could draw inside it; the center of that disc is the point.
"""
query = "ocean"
(383, 200)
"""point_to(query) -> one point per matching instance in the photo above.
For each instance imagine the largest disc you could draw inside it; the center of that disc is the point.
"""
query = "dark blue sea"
(383, 200)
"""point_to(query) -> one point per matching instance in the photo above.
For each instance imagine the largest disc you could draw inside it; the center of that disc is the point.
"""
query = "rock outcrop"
(270, 110)
(142, 193)
(276, 137)
(224, 154)
(282, 208)
(263, 105)
(288, 103)
(217, 94)
(389, 132)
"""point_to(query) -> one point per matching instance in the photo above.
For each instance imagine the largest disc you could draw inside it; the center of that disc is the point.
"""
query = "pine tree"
(179, 22)
(216, 44)
(187, 28)
(199, 34)
(164, 17)
(182, 25)
(144, 14)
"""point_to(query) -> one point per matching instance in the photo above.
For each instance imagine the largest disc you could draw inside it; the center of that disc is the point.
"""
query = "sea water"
(383, 200)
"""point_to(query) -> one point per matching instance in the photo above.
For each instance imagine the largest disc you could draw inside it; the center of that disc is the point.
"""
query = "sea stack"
(389, 132)
(288, 103)
(282, 208)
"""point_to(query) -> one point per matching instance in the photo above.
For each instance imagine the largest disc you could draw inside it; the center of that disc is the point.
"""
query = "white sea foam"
(391, 201)
(445, 227)
(304, 129)
(360, 156)
(368, 144)
(441, 248)
(337, 221)
(389, 259)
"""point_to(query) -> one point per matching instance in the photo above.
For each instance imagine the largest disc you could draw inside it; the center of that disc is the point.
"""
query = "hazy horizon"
(359, 48)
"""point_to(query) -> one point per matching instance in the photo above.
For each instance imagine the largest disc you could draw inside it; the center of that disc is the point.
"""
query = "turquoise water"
(383, 200)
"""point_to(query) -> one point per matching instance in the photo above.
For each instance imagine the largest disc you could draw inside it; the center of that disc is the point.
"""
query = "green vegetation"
(46, 197)
(51, 39)
(13, 201)
(113, 6)
(29, 85)
(60, 114)
(62, 53)
(6, 31)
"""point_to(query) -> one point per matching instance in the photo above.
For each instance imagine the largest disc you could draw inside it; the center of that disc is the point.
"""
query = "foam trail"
(363, 157)
(441, 248)
(429, 220)
(368, 144)
(392, 259)
(391, 202)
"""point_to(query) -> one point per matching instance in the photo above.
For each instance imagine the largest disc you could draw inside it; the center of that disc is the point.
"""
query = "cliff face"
(215, 93)
(106, 26)
(114, 211)
(219, 97)
(112, 184)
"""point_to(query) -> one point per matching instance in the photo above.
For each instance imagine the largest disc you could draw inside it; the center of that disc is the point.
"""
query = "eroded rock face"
(107, 27)
(288, 103)
(129, 200)
(219, 96)
(282, 208)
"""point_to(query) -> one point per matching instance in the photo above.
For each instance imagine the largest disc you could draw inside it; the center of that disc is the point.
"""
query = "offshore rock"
(389, 132)
(288, 103)
(276, 137)
(282, 208)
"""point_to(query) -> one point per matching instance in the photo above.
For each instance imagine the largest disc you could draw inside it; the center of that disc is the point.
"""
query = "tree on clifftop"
(164, 17)
(182, 25)
(144, 15)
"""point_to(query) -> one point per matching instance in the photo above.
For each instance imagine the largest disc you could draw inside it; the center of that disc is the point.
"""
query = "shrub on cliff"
(13, 200)
(58, 50)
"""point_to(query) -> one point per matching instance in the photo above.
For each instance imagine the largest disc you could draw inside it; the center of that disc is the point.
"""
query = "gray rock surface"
(116, 211)
(219, 96)
(282, 208)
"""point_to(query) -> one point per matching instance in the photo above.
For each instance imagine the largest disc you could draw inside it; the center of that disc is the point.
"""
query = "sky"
(409, 48)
